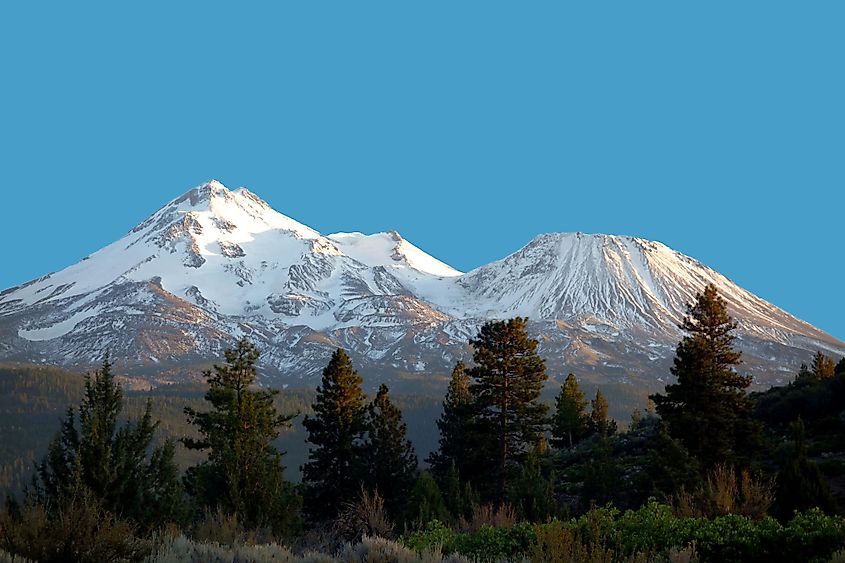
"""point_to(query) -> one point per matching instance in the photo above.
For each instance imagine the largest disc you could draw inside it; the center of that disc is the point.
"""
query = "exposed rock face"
(214, 265)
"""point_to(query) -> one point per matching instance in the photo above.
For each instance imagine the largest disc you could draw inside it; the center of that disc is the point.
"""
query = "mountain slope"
(214, 265)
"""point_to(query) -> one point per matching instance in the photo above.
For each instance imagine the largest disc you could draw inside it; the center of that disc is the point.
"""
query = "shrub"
(372, 550)
(9, 558)
(503, 516)
(650, 533)
(493, 544)
(726, 492)
(435, 536)
(182, 549)
(77, 528)
(365, 517)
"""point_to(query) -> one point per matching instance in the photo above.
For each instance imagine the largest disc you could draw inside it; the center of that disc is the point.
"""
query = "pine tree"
(840, 367)
(533, 491)
(243, 474)
(117, 466)
(800, 483)
(600, 421)
(570, 423)
(456, 429)
(823, 367)
(425, 502)
(392, 463)
(669, 466)
(335, 469)
(459, 497)
(708, 409)
(601, 478)
(507, 379)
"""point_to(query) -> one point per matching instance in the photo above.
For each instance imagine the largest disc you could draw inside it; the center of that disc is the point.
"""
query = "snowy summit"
(214, 264)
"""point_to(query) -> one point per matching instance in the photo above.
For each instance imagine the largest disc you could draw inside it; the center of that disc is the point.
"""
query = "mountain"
(214, 265)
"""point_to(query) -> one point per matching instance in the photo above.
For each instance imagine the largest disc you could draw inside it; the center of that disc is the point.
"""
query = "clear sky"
(717, 128)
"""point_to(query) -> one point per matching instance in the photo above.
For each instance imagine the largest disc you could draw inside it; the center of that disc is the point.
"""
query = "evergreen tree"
(533, 491)
(669, 466)
(800, 483)
(425, 502)
(117, 466)
(601, 478)
(600, 421)
(823, 367)
(390, 456)
(459, 497)
(507, 378)
(840, 367)
(333, 474)
(570, 423)
(708, 409)
(456, 429)
(243, 474)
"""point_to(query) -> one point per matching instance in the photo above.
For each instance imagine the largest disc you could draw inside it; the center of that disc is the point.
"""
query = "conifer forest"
(512, 463)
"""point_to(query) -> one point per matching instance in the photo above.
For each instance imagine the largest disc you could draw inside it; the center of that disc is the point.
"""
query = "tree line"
(499, 446)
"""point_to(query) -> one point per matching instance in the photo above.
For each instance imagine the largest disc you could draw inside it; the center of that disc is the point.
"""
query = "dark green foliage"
(600, 422)
(601, 474)
(818, 402)
(243, 474)
(532, 491)
(823, 366)
(460, 497)
(425, 502)
(800, 483)
(668, 467)
(626, 469)
(333, 474)
(840, 367)
(32, 399)
(456, 430)
(74, 527)
(570, 423)
(707, 409)
(115, 463)
(649, 533)
(506, 382)
(390, 458)
(486, 544)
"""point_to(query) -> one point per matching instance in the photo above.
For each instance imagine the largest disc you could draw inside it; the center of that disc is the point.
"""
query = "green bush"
(493, 544)
(651, 531)
(435, 536)
(485, 544)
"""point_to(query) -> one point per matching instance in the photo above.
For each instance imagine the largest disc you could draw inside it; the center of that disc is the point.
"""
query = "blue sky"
(470, 127)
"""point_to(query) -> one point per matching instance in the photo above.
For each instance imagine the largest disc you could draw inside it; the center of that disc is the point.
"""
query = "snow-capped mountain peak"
(231, 209)
(215, 264)
(391, 250)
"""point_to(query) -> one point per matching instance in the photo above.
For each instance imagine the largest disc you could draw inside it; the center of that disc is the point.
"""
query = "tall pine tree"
(840, 367)
(243, 474)
(708, 409)
(570, 423)
(392, 463)
(335, 469)
(116, 464)
(506, 382)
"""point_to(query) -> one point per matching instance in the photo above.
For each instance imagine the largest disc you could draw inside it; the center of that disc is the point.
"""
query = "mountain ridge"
(215, 264)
